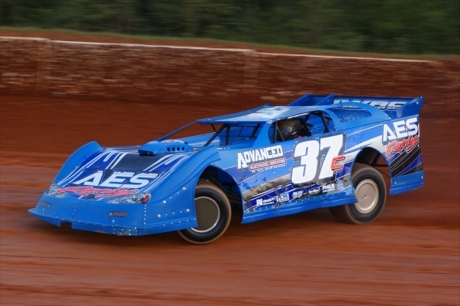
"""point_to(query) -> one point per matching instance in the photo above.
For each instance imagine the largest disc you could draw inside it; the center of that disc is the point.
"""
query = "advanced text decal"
(261, 159)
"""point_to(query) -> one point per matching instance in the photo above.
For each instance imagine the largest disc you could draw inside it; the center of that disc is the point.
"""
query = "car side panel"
(291, 176)
(315, 172)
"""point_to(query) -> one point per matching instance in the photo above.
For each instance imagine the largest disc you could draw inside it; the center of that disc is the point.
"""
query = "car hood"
(121, 171)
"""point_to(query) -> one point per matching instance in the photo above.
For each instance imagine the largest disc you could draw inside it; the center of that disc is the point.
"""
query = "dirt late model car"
(271, 161)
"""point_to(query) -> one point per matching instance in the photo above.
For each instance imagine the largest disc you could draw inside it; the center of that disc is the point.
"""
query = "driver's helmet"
(290, 128)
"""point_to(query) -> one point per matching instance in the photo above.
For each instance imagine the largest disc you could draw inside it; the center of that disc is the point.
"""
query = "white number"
(314, 155)
(334, 145)
(308, 152)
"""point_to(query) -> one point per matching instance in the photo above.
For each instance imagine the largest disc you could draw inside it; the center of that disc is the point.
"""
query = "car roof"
(265, 113)
(270, 113)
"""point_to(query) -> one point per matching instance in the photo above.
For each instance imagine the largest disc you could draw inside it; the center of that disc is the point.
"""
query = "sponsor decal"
(402, 129)
(261, 159)
(123, 180)
(384, 105)
(328, 187)
(314, 191)
(402, 138)
(405, 145)
(284, 197)
(297, 194)
(262, 202)
(98, 193)
(381, 104)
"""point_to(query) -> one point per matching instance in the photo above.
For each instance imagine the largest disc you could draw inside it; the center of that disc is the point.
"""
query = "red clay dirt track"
(409, 256)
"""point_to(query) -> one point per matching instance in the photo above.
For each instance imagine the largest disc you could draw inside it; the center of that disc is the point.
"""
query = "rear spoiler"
(393, 107)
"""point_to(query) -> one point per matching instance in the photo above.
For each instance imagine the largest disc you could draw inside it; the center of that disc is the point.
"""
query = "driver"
(290, 128)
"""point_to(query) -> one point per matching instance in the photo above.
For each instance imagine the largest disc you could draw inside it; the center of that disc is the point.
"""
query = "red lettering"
(100, 193)
(335, 162)
(405, 145)
(277, 161)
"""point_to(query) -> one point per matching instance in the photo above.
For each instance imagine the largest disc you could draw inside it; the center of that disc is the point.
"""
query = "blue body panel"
(150, 188)
(171, 207)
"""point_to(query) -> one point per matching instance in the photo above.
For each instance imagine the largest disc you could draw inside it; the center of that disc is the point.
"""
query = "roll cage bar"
(227, 127)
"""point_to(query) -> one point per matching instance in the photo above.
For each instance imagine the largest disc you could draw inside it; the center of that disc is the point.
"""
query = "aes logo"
(402, 129)
(117, 180)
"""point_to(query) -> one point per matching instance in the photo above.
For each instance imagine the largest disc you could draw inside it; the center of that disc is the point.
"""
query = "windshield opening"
(220, 135)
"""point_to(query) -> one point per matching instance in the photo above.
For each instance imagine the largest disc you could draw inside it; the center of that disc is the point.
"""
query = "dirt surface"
(409, 256)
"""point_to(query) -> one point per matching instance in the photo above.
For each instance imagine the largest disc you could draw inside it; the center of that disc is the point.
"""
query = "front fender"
(189, 171)
(173, 199)
(77, 158)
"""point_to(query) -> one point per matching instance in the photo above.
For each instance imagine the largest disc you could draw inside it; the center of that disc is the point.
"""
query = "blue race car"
(271, 161)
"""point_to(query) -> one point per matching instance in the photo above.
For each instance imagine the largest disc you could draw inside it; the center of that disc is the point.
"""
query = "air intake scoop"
(165, 147)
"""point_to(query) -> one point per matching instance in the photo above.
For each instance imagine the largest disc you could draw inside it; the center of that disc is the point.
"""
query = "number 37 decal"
(318, 159)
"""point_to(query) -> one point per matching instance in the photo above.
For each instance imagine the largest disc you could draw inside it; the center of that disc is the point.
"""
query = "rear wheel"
(213, 213)
(370, 191)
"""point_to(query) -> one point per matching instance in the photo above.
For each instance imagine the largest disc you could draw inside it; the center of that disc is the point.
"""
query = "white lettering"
(247, 157)
(381, 105)
(116, 179)
(140, 180)
(412, 126)
(402, 129)
(395, 105)
(258, 155)
(91, 180)
(388, 134)
(242, 164)
(263, 155)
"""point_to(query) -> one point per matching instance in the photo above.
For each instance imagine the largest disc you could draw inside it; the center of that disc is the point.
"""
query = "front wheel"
(370, 191)
(213, 213)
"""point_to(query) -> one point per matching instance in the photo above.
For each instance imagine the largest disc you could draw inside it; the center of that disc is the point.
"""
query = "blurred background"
(386, 26)
(61, 89)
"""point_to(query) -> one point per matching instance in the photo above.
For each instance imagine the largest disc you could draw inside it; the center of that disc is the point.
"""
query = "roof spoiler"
(394, 107)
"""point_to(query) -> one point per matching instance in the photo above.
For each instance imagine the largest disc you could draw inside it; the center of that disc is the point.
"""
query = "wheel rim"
(367, 193)
(207, 213)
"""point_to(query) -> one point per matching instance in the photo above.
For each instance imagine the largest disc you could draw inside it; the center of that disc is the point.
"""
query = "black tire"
(213, 212)
(370, 190)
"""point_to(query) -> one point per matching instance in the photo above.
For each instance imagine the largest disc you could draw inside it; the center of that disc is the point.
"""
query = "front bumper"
(117, 219)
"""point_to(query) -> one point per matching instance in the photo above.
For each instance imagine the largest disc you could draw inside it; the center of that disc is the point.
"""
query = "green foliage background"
(384, 26)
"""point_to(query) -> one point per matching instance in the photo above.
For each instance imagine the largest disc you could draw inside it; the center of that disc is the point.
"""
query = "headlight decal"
(138, 198)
